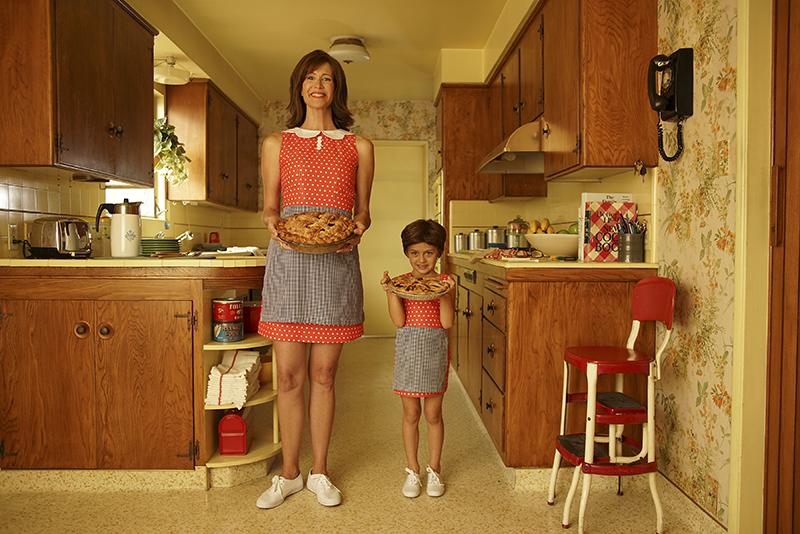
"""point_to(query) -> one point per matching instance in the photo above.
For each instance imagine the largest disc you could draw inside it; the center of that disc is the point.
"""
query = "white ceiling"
(263, 39)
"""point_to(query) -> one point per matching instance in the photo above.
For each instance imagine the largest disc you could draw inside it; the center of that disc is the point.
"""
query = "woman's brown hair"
(428, 231)
(342, 118)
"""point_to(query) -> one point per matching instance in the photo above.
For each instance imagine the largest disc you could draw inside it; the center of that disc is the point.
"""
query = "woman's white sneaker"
(413, 486)
(327, 493)
(280, 489)
(435, 484)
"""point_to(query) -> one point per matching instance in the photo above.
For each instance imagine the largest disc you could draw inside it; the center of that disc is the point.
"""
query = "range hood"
(519, 153)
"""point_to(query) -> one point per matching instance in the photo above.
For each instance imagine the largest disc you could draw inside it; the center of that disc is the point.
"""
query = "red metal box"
(236, 431)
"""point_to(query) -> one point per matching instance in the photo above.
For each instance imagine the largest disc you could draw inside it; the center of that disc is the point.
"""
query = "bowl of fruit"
(543, 237)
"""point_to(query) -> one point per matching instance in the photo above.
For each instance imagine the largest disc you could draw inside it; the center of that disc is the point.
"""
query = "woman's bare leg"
(322, 367)
(292, 372)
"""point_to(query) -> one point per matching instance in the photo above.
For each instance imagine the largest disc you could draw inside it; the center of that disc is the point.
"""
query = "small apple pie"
(316, 228)
(418, 288)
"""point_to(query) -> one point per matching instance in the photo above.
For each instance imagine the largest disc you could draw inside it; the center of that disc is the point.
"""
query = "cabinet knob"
(490, 350)
(490, 406)
(81, 329)
(546, 130)
(118, 131)
(106, 331)
(490, 307)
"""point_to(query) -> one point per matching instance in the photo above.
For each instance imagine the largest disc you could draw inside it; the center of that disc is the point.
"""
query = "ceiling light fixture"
(167, 73)
(348, 49)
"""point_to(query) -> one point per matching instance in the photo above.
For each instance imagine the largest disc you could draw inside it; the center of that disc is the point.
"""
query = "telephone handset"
(673, 100)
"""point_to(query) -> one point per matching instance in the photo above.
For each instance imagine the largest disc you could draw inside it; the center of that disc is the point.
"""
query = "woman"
(312, 303)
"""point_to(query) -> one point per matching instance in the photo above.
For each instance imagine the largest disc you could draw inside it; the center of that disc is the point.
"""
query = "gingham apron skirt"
(323, 289)
(421, 359)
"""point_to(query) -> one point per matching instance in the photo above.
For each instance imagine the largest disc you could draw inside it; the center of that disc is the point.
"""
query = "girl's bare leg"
(433, 415)
(411, 414)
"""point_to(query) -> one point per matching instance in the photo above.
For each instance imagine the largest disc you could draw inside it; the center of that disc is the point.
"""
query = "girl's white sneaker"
(413, 486)
(435, 484)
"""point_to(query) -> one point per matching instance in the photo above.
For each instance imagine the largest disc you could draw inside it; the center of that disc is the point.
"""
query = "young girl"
(422, 356)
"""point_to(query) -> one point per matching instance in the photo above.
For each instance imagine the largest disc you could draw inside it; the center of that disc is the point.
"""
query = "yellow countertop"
(233, 261)
(539, 263)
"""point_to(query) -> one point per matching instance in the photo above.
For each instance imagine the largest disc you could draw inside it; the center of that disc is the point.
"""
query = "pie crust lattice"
(412, 288)
(313, 230)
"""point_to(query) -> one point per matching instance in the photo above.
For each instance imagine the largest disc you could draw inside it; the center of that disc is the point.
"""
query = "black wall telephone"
(673, 100)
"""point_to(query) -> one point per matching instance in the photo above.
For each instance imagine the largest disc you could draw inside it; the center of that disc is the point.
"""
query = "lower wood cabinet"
(95, 383)
(528, 317)
(106, 368)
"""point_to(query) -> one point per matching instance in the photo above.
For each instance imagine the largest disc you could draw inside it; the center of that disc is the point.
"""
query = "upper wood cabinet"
(222, 143)
(77, 88)
(531, 72)
(597, 117)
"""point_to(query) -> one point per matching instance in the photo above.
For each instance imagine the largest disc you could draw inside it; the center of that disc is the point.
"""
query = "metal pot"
(476, 240)
(496, 237)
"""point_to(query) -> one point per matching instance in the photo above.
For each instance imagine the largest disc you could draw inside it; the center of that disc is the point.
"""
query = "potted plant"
(170, 153)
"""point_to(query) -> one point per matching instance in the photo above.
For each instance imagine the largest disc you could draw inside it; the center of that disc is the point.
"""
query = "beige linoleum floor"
(366, 462)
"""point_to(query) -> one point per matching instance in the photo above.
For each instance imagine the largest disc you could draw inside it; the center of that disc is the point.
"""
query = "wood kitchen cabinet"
(99, 378)
(466, 133)
(222, 143)
(77, 88)
(529, 316)
(597, 117)
(469, 321)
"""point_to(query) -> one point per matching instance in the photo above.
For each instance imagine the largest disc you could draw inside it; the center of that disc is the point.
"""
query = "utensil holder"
(631, 248)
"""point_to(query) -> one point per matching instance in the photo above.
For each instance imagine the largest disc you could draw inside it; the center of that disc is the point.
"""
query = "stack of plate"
(150, 246)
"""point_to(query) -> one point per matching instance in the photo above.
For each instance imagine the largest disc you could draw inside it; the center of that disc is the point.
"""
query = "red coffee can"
(226, 310)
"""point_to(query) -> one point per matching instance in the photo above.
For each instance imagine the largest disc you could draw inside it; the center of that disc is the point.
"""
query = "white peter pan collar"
(308, 134)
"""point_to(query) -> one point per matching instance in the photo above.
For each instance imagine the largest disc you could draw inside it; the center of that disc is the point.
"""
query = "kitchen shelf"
(262, 447)
(250, 341)
(265, 394)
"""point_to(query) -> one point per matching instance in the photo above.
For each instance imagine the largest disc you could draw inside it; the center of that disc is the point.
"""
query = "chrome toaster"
(60, 237)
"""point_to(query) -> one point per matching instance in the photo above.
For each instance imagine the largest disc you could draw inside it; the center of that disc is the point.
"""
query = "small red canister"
(229, 331)
(225, 310)
(236, 431)
(252, 315)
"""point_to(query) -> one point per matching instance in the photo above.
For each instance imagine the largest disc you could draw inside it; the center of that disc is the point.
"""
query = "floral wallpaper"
(696, 218)
(379, 120)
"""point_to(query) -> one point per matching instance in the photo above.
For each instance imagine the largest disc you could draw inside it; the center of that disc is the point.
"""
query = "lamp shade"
(348, 49)
(168, 73)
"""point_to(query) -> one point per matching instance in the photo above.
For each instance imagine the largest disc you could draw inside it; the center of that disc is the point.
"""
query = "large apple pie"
(314, 228)
(418, 288)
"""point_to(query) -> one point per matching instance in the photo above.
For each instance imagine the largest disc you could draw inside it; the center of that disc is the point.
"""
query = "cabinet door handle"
(81, 329)
(106, 331)
(490, 350)
(490, 307)
(490, 406)
(467, 313)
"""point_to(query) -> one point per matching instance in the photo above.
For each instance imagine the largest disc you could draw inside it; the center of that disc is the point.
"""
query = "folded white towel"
(235, 379)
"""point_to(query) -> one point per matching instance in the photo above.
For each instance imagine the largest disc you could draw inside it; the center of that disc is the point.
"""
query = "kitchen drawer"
(493, 412)
(494, 354)
(471, 279)
(494, 304)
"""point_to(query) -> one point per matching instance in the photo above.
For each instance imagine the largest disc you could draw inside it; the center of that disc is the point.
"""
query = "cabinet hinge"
(3, 316)
(541, 30)
(60, 143)
(577, 144)
(191, 319)
(193, 451)
(3, 452)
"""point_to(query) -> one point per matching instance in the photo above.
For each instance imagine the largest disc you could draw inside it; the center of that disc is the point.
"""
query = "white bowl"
(555, 244)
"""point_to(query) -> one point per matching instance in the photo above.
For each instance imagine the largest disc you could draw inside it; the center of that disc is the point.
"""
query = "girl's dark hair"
(342, 118)
(428, 231)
